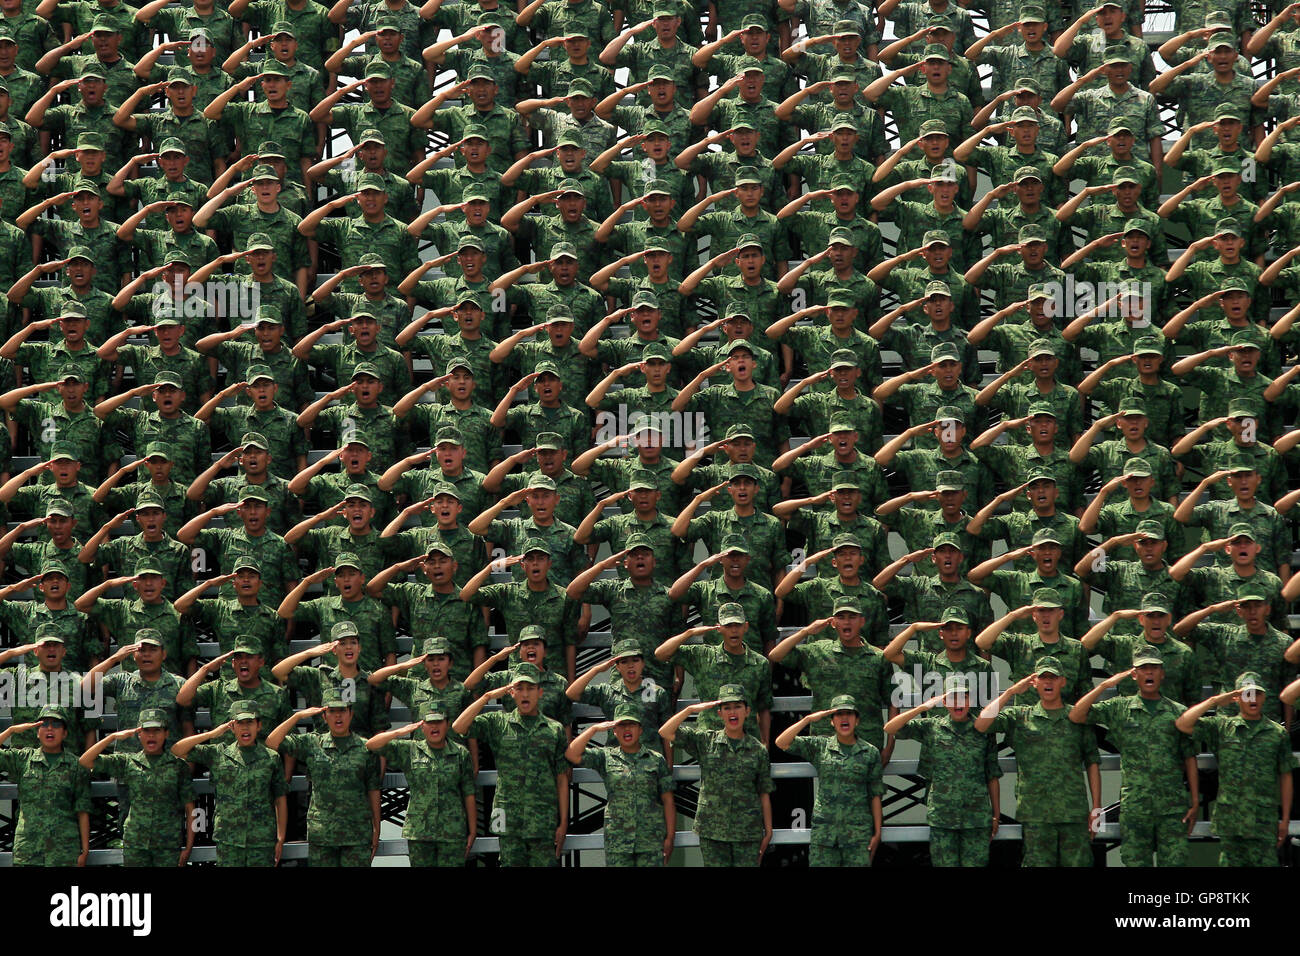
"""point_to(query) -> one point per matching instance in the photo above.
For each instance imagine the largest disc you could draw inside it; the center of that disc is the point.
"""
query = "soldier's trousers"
(47, 858)
(139, 856)
(355, 854)
(729, 853)
(228, 855)
(846, 854)
(1142, 836)
(1057, 844)
(960, 847)
(518, 851)
(436, 852)
(627, 858)
(1244, 851)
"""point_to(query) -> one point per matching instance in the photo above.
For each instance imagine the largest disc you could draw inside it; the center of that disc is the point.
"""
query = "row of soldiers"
(200, 278)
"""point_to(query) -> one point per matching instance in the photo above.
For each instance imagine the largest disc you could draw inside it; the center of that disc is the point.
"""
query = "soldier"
(1024, 651)
(252, 539)
(764, 536)
(728, 664)
(350, 603)
(1220, 518)
(151, 544)
(639, 605)
(817, 474)
(229, 618)
(832, 668)
(190, 441)
(441, 817)
(221, 696)
(436, 690)
(251, 789)
(920, 527)
(1121, 520)
(1215, 583)
(158, 786)
(650, 698)
(530, 649)
(255, 460)
(819, 595)
(822, 526)
(1255, 767)
(963, 796)
(530, 810)
(734, 820)
(568, 558)
(149, 608)
(53, 794)
(357, 535)
(432, 608)
(345, 678)
(1254, 644)
(68, 420)
(24, 618)
(1119, 646)
(1130, 454)
(1154, 759)
(343, 815)
(640, 820)
(1050, 749)
(537, 600)
(150, 689)
(733, 586)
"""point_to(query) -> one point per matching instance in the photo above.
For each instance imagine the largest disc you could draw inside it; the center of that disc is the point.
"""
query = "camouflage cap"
(1040, 347)
(743, 470)
(843, 702)
(365, 368)
(247, 645)
(1249, 680)
(525, 673)
(732, 694)
(53, 567)
(532, 545)
(346, 559)
(1150, 529)
(253, 493)
(645, 299)
(641, 480)
(747, 176)
(333, 699)
(49, 712)
(438, 546)
(1227, 227)
(377, 69)
(937, 51)
(1032, 232)
(70, 373)
(436, 645)
(1153, 602)
(949, 481)
(149, 499)
(933, 128)
(263, 172)
(1025, 114)
(1148, 345)
(1048, 667)
(1137, 468)
(846, 604)
(48, 633)
(740, 430)
(935, 237)
(246, 563)
(64, 451)
(359, 492)
(244, 711)
(734, 542)
(153, 718)
(843, 358)
(944, 351)
(539, 482)
(845, 541)
(1242, 529)
(954, 615)
(1124, 174)
(1037, 409)
(548, 441)
(626, 647)
(627, 711)
(564, 250)
(1046, 597)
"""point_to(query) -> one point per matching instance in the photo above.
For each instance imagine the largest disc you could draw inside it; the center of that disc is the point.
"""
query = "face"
(1228, 131)
(630, 668)
(246, 731)
(65, 471)
(1244, 484)
(253, 515)
(847, 560)
(92, 91)
(1119, 73)
(844, 442)
(168, 398)
(1032, 253)
(356, 458)
(152, 740)
(54, 586)
(1048, 557)
(947, 560)
(1254, 613)
(628, 734)
(741, 450)
(1029, 191)
(550, 461)
(367, 388)
(1151, 551)
(435, 732)
(150, 587)
(541, 502)
(439, 568)
(951, 503)
(1042, 429)
(358, 513)
(475, 150)
(247, 666)
(845, 723)
(735, 563)
(536, 565)
(571, 206)
(483, 92)
(73, 392)
(1235, 305)
(571, 158)
(150, 521)
(547, 386)
(742, 490)
(848, 625)
(49, 654)
(451, 456)
(438, 666)
(349, 581)
(937, 255)
(741, 365)
(954, 635)
(527, 697)
(640, 563)
(372, 202)
(733, 714)
(338, 720)
(750, 261)
(60, 528)
(1048, 619)
(948, 371)
(847, 501)
(1049, 687)
(73, 329)
(247, 583)
(1227, 184)
(1155, 624)
(51, 734)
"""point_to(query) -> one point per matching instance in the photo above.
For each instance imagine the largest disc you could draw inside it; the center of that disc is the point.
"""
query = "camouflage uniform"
(370, 616)
(52, 790)
(438, 779)
(1051, 801)
(247, 782)
(633, 823)
(712, 667)
(831, 670)
(529, 754)
(520, 606)
(158, 788)
(733, 774)
(849, 778)
(339, 819)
